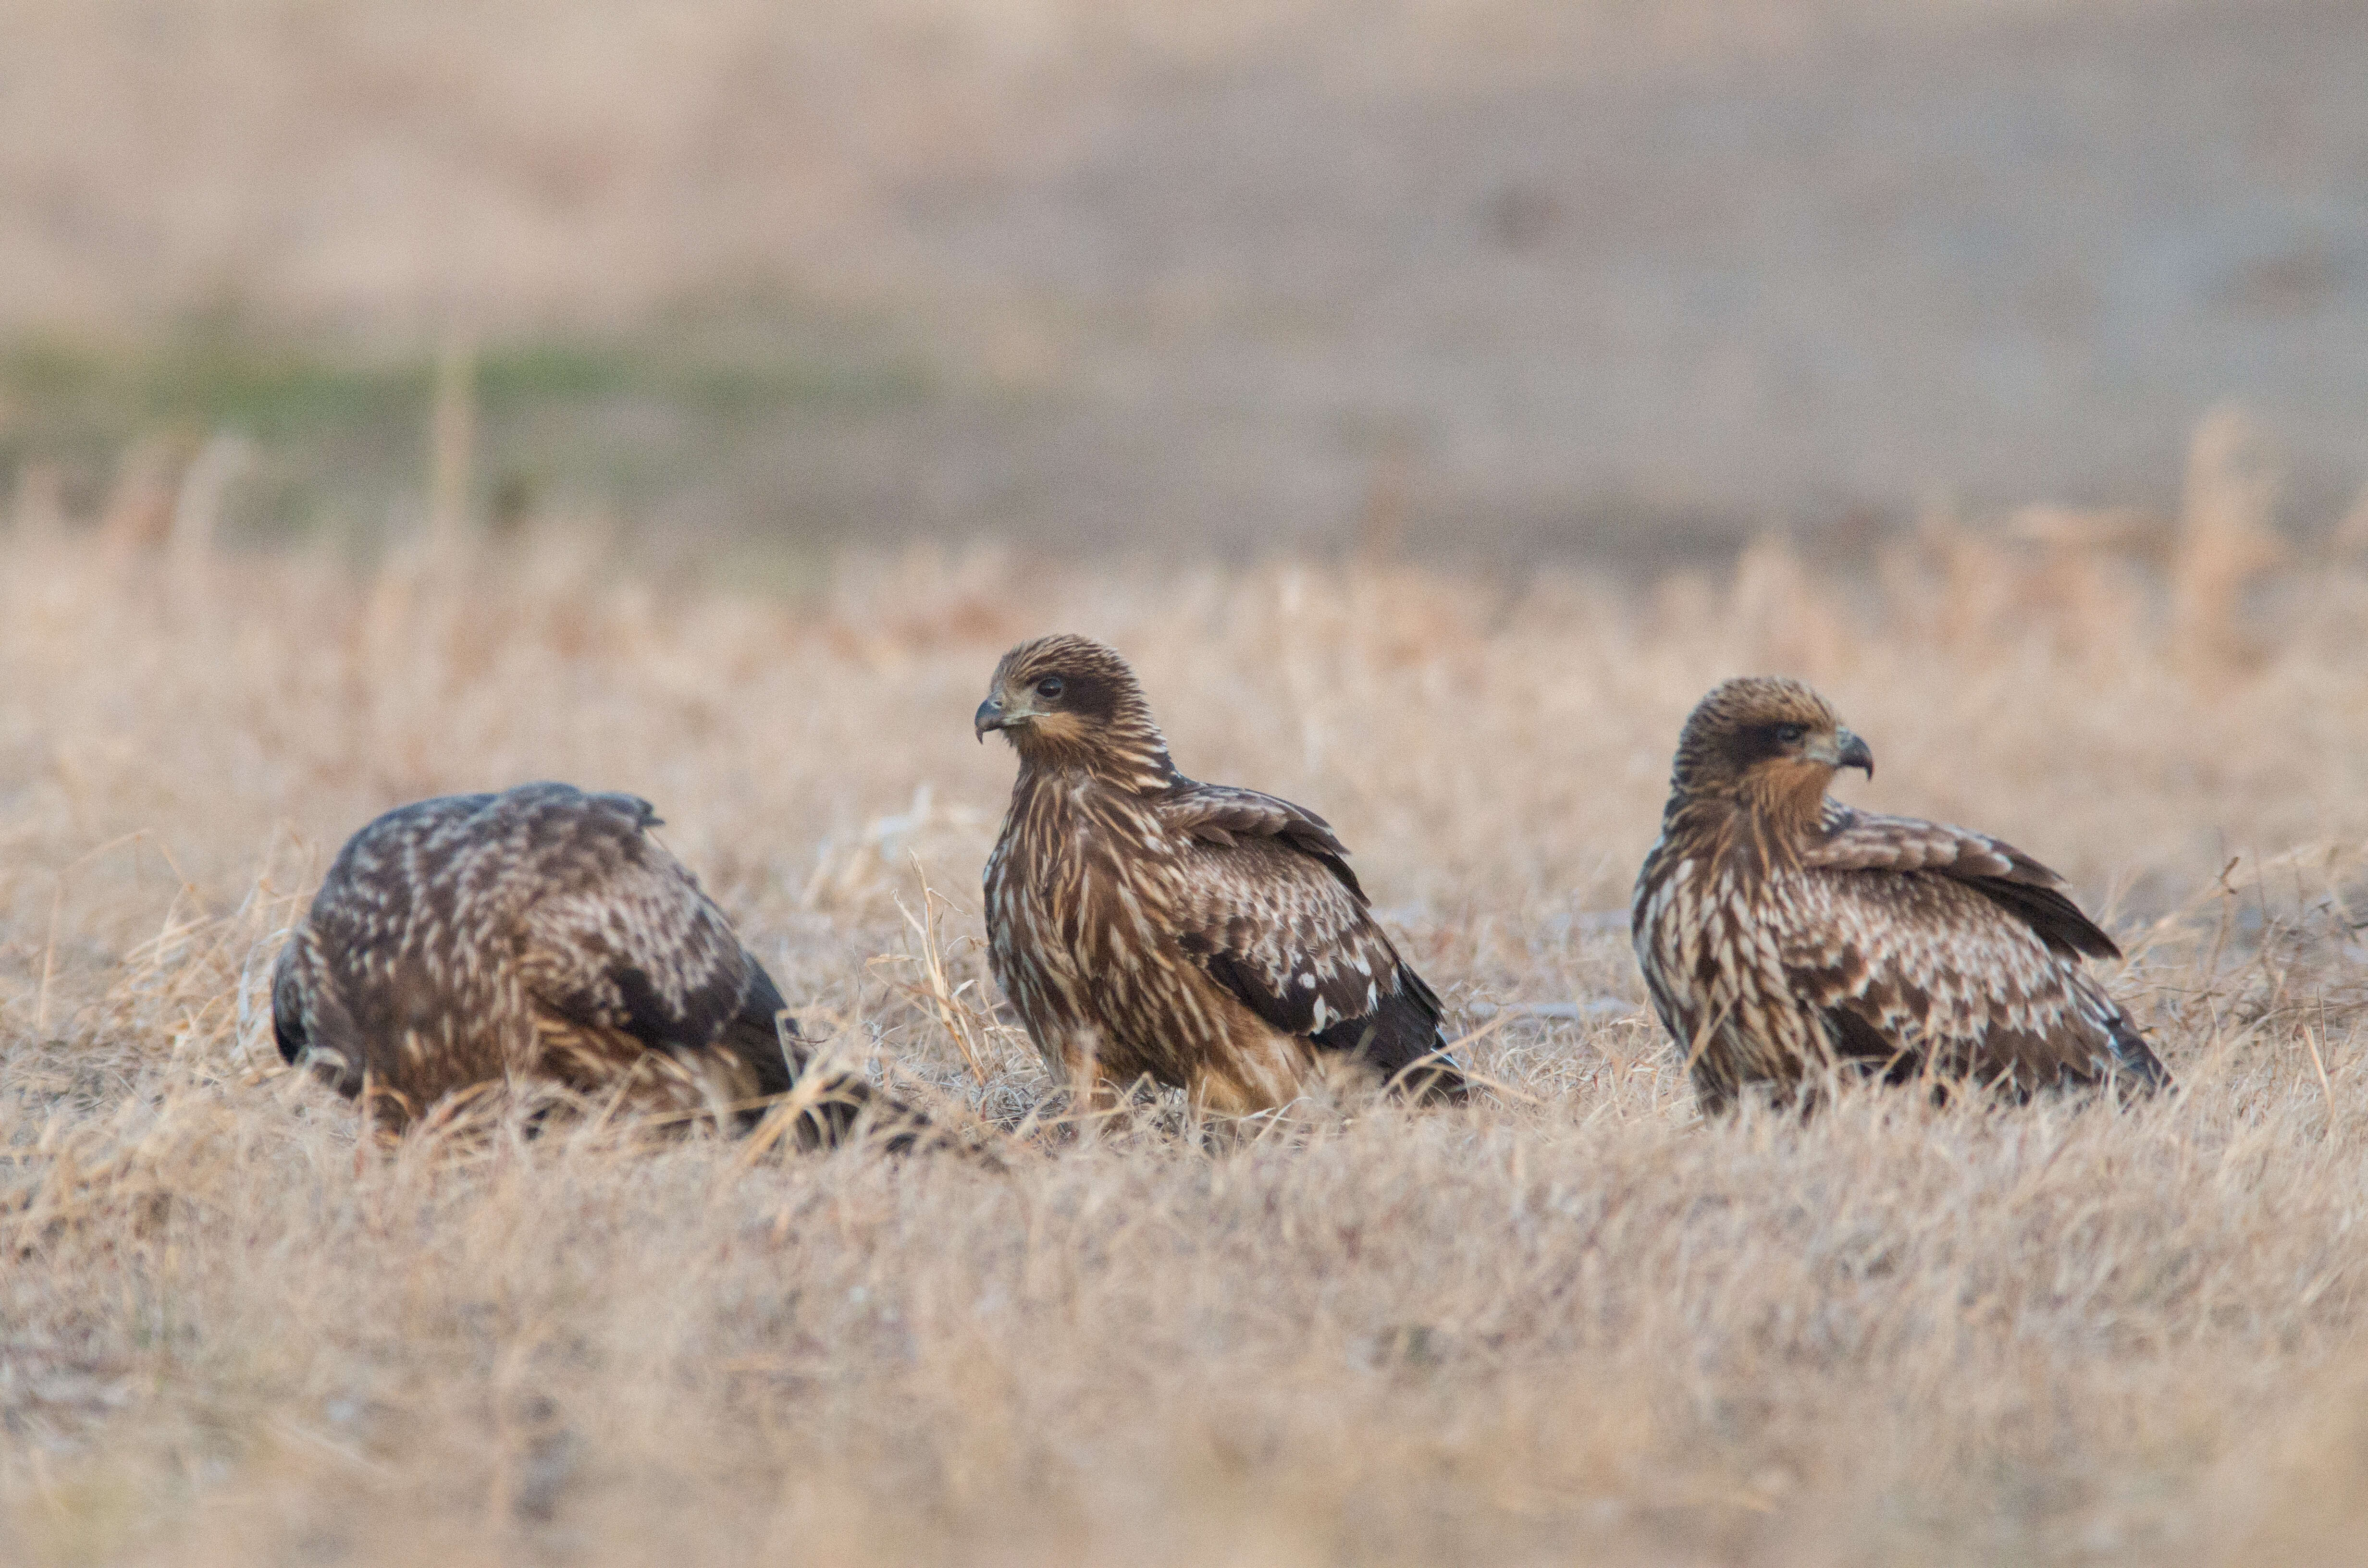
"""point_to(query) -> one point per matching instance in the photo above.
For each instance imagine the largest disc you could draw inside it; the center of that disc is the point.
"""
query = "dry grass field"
(1399, 383)
(1571, 1323)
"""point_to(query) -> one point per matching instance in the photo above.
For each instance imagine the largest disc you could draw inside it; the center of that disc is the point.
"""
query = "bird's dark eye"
(1790, 734)
(1050, 687)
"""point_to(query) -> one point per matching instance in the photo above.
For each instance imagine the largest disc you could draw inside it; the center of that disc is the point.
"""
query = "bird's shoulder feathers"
(1863, 841)
(1227, 817)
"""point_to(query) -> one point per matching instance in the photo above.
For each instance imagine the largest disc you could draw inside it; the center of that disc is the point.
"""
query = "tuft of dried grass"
(1571, 1322)
(2228, 536)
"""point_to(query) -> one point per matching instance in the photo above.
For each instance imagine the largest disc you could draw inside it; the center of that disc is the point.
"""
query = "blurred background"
(1495, 282)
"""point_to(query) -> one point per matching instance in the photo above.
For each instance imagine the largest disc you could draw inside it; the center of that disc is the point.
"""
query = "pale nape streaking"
(538, 940)
(1147, 925)
(1784, 936)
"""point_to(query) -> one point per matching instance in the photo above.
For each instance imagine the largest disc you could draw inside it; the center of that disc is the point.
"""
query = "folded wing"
(1273, 913)
(619, 937)
(1861, 841)
(1921, 942)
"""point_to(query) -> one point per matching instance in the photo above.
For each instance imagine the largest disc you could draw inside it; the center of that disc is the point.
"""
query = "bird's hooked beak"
(1844, 750)
(995, 713)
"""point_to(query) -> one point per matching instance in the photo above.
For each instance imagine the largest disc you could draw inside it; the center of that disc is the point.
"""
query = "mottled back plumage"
(1145, 925)
(1784, 934)
(537, 937)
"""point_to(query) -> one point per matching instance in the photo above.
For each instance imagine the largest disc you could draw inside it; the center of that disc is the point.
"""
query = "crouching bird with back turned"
(1784, 936)
(538, 937)
(1147, 925)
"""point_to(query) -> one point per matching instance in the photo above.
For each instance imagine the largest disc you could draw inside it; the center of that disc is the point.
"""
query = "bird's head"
(1067, 701)
(1766, 740)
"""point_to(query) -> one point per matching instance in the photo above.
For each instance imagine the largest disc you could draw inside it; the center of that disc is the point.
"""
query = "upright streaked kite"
(1784, 934)
(1147, 925)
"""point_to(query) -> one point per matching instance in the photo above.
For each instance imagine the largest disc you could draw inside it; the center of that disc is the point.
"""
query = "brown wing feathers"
(1316, 964)
(1991, 867)
(1219, 814)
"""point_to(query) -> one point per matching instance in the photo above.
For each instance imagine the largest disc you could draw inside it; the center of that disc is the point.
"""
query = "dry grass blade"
(958, 1017)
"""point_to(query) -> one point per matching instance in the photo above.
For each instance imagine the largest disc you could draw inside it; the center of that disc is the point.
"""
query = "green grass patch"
(619, 419)
(271, 391)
